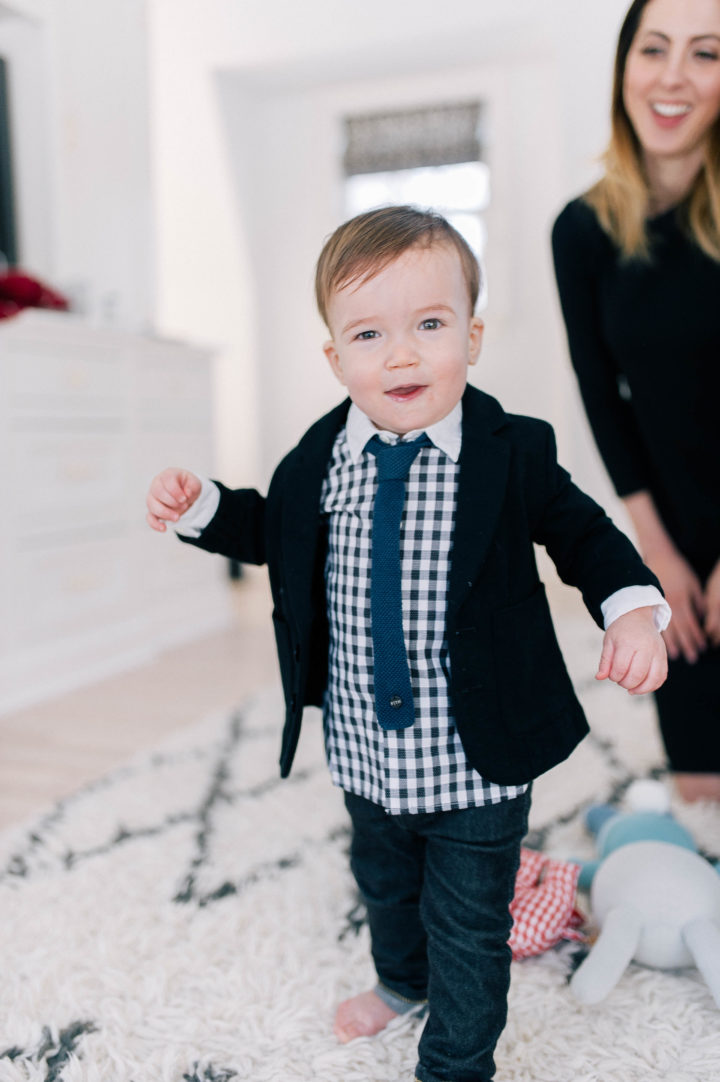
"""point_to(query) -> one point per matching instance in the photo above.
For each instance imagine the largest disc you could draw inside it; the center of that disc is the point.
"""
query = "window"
(428, 157)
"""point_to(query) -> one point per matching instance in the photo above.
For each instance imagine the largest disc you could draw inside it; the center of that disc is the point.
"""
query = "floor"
(49, 750)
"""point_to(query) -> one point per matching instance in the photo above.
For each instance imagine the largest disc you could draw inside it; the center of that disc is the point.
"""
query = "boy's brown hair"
(362, 247)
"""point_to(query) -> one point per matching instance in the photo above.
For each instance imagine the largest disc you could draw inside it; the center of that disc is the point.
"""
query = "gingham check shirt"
(422, 768)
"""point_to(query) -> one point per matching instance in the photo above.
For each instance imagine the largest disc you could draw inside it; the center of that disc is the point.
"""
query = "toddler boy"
(428, 642)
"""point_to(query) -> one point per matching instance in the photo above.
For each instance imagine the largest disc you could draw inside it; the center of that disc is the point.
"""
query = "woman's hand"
(685, 635)
(712, 606)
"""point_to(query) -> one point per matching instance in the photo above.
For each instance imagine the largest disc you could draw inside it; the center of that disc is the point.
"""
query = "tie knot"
(395, 459)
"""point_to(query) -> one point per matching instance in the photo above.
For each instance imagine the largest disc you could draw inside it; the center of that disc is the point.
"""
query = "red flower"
(19, 290)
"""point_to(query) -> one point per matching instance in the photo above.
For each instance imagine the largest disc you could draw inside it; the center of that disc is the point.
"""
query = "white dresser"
(87, 416)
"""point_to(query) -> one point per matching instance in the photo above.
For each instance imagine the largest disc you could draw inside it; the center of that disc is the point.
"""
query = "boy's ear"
(334, 360)
(477, 328)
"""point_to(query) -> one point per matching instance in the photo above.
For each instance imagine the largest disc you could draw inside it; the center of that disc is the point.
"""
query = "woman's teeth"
(666, 109)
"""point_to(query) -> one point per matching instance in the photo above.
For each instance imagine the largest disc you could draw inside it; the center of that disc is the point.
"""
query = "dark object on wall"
(8, 239)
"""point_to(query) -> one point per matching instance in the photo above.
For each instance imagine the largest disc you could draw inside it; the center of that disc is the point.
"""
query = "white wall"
(246, 100)
(177, 170)
(99, 109)
(286, 148)
(79, 89)
(205, 283)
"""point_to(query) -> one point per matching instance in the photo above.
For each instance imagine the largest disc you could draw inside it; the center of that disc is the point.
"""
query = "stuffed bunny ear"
(702, 939)
(610, 956)
(597, 815)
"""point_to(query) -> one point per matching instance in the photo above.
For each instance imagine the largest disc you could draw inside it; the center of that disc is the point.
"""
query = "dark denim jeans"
(438, 889)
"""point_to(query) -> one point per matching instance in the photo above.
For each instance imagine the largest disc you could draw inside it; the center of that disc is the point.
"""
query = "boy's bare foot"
(362, 1016)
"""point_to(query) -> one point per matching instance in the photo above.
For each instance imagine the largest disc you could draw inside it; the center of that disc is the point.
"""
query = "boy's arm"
(237, 529)
(207, 514)
(637, 597)
(193, 521)
(588, 550)
(591, 553)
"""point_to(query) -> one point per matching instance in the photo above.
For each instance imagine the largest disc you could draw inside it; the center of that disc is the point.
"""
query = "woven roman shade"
(413, 138)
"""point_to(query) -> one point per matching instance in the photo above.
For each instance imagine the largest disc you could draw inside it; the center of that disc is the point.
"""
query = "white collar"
(445, 434)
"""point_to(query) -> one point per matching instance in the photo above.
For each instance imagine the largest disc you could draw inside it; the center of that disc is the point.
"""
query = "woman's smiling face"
(671, 87)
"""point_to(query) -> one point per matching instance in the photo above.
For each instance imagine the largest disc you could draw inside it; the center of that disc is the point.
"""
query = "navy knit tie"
(393, 692)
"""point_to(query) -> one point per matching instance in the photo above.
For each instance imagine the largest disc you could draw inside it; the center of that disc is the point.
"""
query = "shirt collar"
(446, 434)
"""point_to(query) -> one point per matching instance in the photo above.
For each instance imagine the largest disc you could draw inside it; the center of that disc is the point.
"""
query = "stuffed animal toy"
(654, 898)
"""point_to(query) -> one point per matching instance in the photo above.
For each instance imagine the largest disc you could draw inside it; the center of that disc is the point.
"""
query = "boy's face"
(402, 340)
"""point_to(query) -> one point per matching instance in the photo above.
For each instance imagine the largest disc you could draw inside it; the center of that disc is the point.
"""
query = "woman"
(637, 260)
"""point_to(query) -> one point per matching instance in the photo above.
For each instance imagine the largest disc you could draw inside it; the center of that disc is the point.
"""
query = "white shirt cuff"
(194, 521)
(636, 597)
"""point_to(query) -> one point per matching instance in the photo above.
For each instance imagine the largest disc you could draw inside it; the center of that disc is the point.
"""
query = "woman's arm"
(580, 251)
(685, 634)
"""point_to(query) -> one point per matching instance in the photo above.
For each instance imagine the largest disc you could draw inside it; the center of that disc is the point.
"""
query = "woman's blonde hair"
(621, 198)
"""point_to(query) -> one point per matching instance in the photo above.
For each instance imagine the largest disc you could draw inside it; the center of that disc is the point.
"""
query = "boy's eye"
(431, 324)
(706, 54)
(365, 336)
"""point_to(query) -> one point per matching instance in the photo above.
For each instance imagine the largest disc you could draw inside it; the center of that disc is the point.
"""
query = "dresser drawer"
(167, 567)
(63, 379)
(67, 588)
(61, 480)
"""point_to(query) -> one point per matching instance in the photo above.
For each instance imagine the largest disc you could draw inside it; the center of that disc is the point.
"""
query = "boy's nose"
(401, 354)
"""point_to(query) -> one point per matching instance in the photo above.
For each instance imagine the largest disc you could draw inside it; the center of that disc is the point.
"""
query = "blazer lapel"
(484, 463)
(301, 510)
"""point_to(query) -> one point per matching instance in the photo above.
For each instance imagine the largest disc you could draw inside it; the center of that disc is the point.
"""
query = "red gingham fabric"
(543, 908)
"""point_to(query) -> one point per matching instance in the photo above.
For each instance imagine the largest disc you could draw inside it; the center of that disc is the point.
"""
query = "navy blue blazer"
(514, 705)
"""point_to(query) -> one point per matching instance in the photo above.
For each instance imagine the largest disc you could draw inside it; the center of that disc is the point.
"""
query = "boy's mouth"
(408, 391)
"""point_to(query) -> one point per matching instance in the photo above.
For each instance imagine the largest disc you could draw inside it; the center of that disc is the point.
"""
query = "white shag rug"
(191, 918)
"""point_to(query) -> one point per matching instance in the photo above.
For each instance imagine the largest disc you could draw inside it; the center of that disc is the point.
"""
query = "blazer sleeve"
(587, 548)
(580, 249)
(237, 530)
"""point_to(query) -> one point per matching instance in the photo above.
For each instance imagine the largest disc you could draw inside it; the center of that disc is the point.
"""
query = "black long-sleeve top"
(644, 340)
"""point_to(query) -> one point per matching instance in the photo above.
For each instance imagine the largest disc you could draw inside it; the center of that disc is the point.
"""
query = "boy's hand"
(170, 495)
(633, 653)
